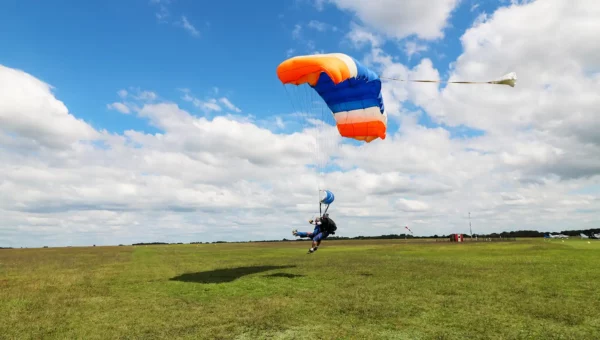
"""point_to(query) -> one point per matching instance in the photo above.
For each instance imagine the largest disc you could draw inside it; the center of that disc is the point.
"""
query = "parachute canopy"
(351, 91)
(328, 197)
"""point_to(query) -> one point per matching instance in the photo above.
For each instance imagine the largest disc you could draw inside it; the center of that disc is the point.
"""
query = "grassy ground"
(528, 289)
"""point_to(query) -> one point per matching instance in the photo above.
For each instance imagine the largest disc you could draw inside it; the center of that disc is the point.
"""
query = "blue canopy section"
(329, 197)
(355, 93)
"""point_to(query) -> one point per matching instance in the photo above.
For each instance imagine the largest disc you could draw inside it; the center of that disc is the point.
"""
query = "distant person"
(324, 226)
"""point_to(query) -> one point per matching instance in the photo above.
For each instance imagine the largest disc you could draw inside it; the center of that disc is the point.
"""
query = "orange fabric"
(306, 69)
(365, 131)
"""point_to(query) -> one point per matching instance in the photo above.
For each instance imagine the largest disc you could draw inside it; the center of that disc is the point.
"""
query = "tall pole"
(470, 229)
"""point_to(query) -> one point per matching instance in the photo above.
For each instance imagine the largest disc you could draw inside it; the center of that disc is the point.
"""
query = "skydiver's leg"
(302, 234)
(316, 242)
(295, 232)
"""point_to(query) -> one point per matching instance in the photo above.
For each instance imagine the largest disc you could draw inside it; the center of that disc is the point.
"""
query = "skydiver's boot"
(312, 250)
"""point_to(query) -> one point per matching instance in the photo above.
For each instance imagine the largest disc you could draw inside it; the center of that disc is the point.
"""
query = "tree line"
(505, 234)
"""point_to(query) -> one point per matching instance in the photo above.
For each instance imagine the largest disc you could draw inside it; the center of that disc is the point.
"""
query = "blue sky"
(89, 50)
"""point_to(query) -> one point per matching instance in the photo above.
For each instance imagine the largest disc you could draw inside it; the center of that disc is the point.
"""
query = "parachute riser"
(321, 213)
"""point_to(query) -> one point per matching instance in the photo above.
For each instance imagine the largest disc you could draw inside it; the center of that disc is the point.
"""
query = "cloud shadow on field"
(226, 275)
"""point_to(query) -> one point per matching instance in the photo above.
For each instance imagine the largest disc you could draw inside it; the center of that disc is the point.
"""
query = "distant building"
(457, 238)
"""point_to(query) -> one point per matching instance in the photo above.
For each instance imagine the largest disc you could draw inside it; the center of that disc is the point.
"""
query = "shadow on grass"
(225, 275)
(286, 275)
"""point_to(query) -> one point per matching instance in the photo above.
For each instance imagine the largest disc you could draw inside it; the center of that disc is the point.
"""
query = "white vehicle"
(592, 236)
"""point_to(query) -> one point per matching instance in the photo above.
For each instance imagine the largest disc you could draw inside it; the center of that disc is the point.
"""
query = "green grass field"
(392, 289)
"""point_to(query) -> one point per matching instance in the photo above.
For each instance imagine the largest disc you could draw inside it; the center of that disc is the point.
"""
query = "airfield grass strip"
(372, 289)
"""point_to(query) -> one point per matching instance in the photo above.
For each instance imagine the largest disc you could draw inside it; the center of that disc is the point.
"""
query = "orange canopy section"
(307, 69)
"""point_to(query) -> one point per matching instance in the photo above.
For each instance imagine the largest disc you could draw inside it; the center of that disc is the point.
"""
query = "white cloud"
(550, 118)
(188, 26)
(321, 26)
(132, 99)
(308, 46)
(400, 19)
(317, 25)
(163, 15)
(163, 9)
(146, 96)
(359, 36)
(411, 48)
(210, 104)
(412, 205)
(297, 31)
(319, 4)
(538, 142)
(279, 122)
(137, 94)
(119, 107)
(144, 183)
(229, 105)
(31, 115)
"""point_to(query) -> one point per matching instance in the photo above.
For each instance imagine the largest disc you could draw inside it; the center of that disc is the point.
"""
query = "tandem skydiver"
(324, 226)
